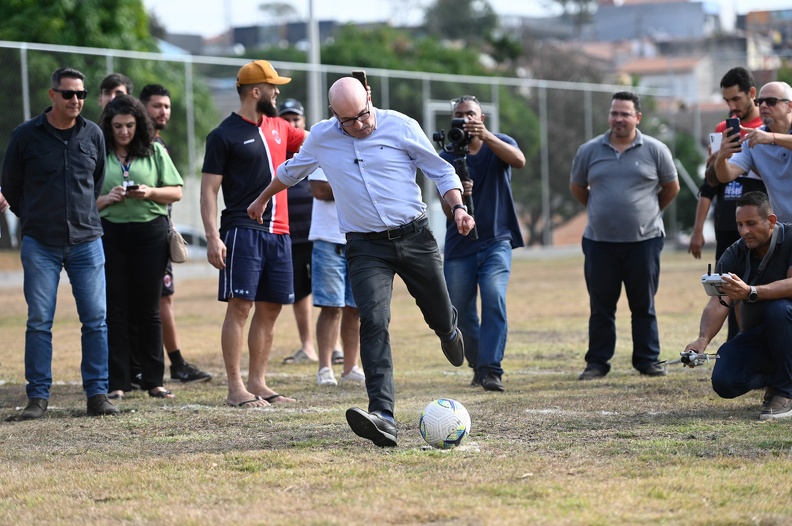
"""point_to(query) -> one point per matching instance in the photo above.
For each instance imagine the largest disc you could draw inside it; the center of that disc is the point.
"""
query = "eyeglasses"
(771, 101)
(622, 114)
(363, 115)
(67, 94)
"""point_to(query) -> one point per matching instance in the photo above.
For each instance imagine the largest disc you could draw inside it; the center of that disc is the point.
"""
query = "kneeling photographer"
(757, 273)
(482, 263)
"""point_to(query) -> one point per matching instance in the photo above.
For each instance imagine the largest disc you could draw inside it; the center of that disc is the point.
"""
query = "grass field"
(549, 451)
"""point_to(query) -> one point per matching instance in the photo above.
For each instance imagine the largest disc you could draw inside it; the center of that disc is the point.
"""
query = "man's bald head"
(778, 89)
(347, 95)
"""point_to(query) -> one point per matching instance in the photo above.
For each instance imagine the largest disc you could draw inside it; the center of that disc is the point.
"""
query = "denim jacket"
(52, 185)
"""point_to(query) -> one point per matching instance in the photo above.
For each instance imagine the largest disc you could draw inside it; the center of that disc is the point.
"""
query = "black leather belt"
(394, 233)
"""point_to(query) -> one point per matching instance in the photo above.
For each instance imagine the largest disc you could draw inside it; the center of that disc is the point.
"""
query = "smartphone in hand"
(361, 76)
(733, 125)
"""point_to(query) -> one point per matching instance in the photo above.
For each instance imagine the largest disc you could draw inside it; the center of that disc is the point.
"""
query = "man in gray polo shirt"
(624, 179)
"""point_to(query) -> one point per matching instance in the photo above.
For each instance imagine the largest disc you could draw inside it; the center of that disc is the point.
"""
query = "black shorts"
(167, 281)
(301, 266)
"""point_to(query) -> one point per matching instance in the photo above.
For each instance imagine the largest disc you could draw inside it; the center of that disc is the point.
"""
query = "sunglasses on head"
(67, 94)
(771, 101)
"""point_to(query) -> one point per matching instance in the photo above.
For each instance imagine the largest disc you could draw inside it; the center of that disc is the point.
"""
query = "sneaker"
(99, 405)
(187, 373)
(35, 409)
(780, 407)
(476, 381)
(492, 382)
(372, 426)
(325, 376)
(355, 375)
(454, 349)
(654, 370)
(136, 381)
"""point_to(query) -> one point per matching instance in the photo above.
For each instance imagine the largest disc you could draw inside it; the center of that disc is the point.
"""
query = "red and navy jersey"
(244, 153)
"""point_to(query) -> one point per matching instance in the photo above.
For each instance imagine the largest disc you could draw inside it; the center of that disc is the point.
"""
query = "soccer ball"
(444, 423)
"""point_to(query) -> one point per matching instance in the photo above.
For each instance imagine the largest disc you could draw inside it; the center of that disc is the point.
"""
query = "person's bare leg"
(350, 336)
(232, 342)
(169, 338)
(260, 338)
(302, 315)
(327, 328)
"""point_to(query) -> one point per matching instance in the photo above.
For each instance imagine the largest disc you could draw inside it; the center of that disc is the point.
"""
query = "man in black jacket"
(52, 174)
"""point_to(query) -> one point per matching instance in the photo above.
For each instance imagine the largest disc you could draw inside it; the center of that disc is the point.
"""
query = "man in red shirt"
(253, 257)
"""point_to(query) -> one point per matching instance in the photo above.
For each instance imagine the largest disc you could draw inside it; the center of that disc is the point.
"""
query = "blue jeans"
(84, 264)
(607, 266)
(487, 272)
(758, 357)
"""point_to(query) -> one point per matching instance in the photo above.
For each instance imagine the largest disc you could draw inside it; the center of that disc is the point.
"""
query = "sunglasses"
(771, 101)
(67, 94)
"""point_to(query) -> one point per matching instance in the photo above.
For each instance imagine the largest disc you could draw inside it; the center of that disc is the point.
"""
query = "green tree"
(470, 20)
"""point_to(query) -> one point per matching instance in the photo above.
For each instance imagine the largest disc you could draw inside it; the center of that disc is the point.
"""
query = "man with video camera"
(481, 263)
(756, 272)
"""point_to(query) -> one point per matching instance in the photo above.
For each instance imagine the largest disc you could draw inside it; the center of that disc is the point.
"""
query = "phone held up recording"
(361, 76)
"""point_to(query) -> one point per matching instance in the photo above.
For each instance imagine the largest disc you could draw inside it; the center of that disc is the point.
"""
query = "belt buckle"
(400, 231)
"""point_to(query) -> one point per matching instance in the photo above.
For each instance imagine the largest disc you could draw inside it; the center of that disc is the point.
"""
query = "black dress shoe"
(35, 409)
(372, 426)
(99, 405)
(654, 370)
(454, 350)
(591, 372)
(492, 382)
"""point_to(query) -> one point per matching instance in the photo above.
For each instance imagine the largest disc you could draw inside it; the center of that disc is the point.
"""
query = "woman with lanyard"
(140, 182)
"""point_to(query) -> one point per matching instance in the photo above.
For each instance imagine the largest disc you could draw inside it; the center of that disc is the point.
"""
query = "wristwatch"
(753, 295)
(457, 207)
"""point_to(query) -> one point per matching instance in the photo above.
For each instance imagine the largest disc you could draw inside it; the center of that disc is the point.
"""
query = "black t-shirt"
(236, 150)
(727, 196)
(739, 260)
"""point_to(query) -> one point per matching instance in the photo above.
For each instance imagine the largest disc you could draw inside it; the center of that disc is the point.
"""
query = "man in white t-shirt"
(332, 291)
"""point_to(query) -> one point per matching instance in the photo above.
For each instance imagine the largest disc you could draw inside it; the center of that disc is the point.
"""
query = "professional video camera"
(458, 139)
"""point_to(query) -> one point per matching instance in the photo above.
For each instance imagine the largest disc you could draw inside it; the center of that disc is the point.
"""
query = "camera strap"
(765, 259)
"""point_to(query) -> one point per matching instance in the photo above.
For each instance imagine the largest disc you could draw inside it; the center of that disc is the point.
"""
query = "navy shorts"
(258, 267)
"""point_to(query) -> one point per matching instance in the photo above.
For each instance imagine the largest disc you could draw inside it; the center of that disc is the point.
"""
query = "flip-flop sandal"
(338, 357)
(272, 399)
(297, 357)
(161, 394)
(244, 404)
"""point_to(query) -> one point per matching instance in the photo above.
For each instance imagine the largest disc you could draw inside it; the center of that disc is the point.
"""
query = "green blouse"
(157, 170)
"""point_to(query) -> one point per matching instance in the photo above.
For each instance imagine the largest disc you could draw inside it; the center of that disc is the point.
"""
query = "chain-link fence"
(549, 119)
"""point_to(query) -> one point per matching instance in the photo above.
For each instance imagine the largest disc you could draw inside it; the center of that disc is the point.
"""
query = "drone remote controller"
(712, 283)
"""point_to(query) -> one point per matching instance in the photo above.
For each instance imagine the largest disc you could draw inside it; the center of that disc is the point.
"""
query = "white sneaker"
(325, 376)
(355, 375)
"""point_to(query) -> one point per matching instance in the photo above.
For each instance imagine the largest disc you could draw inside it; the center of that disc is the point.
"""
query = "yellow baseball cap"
(259, 71)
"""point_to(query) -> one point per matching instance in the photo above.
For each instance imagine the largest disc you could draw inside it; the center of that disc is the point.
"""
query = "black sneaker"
(372, 426)
(35, 409)
(476, 381)
(187, 373)
(454, 350)
(492, 382)
(137, 379)
(99, 405)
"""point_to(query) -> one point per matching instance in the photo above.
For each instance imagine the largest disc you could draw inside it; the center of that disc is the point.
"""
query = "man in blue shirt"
(483, 264)
(370, 157)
